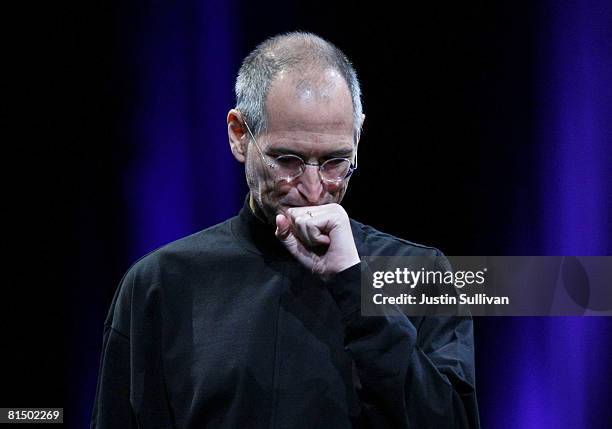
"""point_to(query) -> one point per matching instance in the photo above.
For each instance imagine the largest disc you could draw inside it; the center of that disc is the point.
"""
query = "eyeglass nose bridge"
(313, 164)
(303, 170)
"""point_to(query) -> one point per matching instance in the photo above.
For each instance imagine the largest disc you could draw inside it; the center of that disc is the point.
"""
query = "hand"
(320, 237)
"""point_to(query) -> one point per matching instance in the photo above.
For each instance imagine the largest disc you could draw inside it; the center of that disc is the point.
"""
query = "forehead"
(313, 107)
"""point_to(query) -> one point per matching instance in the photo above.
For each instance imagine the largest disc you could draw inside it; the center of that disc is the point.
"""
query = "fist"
(319, 237)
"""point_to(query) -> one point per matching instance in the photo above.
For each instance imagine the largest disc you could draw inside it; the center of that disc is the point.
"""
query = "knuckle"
(339, 209)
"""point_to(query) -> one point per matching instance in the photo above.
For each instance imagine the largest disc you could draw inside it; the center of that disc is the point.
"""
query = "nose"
(309, 184)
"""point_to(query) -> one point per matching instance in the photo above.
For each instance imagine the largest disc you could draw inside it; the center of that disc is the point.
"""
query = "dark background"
(487, 132)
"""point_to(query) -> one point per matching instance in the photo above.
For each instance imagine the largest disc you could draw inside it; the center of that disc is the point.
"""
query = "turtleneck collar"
(257, 235)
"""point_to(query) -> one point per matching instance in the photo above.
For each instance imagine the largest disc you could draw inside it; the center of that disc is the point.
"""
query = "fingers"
(308, 224)
(313, 234)
(284, 232)
(319, 237)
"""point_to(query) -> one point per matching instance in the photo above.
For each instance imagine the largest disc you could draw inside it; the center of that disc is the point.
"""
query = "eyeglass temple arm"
(255, 141)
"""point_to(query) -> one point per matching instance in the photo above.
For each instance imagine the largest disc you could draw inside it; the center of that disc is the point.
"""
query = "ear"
(237, 136)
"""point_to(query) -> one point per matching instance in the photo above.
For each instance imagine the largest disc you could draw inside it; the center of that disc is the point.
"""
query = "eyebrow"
(341, 153)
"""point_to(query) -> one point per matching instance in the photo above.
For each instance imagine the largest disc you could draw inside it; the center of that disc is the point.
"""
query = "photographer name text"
(412, 278)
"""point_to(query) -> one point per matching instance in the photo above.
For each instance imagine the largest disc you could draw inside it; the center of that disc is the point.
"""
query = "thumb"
(291, 243)
(285, 235)
(283, 227)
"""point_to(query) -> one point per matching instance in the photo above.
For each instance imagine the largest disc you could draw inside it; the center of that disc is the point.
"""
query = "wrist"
(341, 268)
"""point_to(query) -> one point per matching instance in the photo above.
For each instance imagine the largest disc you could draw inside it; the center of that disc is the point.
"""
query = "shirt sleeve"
(412, 374)
(131, 390)
(112, 407)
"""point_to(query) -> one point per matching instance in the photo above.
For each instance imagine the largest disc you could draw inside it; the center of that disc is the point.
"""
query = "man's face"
(312, 121)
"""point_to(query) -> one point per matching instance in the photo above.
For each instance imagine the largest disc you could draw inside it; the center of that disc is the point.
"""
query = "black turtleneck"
(224, 329)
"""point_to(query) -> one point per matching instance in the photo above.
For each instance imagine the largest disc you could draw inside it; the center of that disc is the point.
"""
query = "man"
(255, 322)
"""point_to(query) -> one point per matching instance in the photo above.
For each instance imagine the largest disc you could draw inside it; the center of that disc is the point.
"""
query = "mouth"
(296, 205)
(284, 207)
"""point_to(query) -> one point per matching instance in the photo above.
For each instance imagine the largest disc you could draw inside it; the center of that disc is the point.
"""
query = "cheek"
(250, 175)
(337, 191)
(334, 188)
(257, 179)
(282, 187)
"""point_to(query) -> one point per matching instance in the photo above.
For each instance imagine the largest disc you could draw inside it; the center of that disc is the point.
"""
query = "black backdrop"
(452, 156)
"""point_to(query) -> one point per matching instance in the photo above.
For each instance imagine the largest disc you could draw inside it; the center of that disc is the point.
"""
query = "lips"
(298, 205)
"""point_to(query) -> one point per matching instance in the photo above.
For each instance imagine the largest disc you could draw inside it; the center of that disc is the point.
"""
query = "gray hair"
(287, 52)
